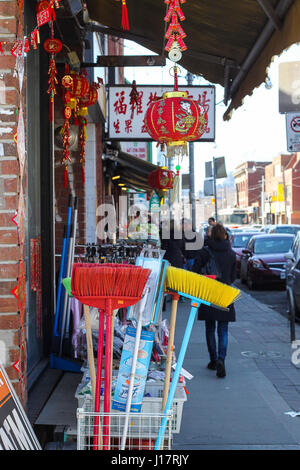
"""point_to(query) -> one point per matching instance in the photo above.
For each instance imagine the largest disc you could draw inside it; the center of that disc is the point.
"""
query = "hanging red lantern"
(175, 120)
(161, 178)
(91, 96)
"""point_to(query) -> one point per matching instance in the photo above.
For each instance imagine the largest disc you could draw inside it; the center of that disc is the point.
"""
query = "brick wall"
(9, 187)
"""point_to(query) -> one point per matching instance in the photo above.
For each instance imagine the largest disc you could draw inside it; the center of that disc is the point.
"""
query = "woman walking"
(219, 259)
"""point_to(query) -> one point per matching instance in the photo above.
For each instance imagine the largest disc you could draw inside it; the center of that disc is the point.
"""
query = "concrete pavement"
(245, 410)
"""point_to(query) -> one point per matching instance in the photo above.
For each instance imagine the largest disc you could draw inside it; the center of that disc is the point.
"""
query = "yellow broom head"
(201, 287)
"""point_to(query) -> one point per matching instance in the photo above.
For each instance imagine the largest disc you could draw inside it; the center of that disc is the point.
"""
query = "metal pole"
(189, 78)
(262, 199)
(284, 192)
(215, 189)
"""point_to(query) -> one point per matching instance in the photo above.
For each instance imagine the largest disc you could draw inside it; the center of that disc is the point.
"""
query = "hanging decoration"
(161, 179)
(52, 46)
(125, 20)
(89, 99)
(134, 98)
(35, 279)
(175, 33)
(175, 119)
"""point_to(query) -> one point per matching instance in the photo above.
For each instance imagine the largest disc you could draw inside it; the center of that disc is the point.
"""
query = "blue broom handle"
(59, 287)
(176, 374)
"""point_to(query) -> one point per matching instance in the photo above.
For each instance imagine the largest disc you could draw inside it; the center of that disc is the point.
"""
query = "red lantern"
(91, 97)
(52, 45)
(161, 179)
(175, 120)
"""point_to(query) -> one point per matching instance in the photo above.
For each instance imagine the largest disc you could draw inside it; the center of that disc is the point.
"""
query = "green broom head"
(67, 284)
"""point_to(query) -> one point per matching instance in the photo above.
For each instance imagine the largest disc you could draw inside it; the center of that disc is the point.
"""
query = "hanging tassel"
(51, 106)
(66, 176)
(125, 21)
(83, 174)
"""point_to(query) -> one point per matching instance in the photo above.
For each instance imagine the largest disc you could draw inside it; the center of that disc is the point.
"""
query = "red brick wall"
(9, 188)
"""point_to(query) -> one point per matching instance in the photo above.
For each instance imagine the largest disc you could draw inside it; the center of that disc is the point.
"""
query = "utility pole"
(189, 78)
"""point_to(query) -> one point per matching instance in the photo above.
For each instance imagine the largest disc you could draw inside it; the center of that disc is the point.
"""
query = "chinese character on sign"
(203, 101)
(144, 129)
(119, 105)
(128, 126)
(117, 126)
(152, 97)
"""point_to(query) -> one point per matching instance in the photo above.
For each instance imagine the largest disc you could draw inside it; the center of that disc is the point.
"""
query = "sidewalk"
(245, 410)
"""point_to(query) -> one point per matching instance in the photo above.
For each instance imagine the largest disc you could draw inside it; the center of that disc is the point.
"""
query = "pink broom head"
(108, 280)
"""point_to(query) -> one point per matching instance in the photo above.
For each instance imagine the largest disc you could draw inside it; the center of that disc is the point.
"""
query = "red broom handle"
(107, 375)
(98, 380)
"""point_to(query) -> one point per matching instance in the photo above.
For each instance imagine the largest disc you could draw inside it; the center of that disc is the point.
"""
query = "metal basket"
(142, 430)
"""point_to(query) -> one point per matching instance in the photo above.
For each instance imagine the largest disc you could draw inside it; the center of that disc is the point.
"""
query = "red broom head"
(108, 280)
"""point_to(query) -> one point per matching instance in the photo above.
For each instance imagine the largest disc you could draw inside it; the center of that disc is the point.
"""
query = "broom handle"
(175, 298)
(97, 424)
(141, 306)
(90, 350)
(107, 375)
(131, 382)
(174, 383)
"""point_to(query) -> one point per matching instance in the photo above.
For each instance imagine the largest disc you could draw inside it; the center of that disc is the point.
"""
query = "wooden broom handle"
(175, 298)
(90, 350)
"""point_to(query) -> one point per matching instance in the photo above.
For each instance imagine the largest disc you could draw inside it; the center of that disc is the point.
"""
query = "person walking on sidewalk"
(217, 258)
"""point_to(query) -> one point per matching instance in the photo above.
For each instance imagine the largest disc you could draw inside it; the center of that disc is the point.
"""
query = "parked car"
(239, 241)
(263, 260)
(293, 277)
(285, 228)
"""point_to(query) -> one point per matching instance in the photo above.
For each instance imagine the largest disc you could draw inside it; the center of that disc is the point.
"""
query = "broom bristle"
(108, 280)
(201, 287)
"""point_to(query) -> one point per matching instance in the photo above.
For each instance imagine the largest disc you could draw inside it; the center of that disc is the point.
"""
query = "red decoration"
(35, 38)
(52, 45)
(175, 120)
(44, 13)
(161, 179)
(125, 21)
(175, 31)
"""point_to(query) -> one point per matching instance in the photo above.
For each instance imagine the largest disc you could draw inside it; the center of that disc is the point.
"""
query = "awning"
(230, 42)
(133, 171)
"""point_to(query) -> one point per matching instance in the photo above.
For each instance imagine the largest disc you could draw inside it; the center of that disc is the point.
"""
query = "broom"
(107, 287)
(199, 289)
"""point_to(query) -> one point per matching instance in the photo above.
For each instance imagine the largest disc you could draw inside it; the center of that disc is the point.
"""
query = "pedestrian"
(173, 245)
(217, 256)
(193, 242)
(207, 234)
(212, 221)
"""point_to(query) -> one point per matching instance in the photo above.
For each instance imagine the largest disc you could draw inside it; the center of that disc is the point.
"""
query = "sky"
(256, 130)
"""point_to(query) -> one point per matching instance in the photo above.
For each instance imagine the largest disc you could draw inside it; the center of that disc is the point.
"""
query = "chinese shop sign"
(136, 149)
(127, 123)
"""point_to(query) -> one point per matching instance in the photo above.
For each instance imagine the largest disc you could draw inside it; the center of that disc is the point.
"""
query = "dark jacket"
(226, 260)
(174, 250)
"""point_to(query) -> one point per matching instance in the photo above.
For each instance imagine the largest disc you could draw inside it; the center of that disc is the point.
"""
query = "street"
(272, 296)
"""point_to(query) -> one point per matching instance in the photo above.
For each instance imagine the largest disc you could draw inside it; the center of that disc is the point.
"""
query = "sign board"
(208, 187)
(292, 122)
(185, 181)
(289, 87)
(125, 124)
(208, 170)
(16, 432)
(220, 167)
(136, 149)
